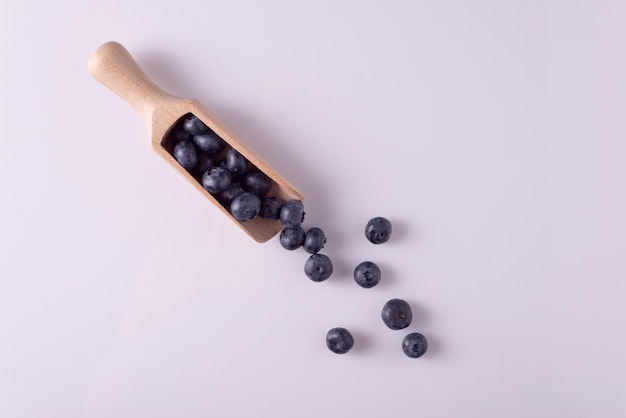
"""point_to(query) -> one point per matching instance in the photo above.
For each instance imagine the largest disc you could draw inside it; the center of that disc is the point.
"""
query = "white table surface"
(491, 133)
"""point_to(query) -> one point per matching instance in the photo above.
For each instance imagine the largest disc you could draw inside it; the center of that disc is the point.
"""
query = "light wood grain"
(114, 67)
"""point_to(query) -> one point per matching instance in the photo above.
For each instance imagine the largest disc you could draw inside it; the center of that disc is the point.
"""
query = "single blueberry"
(292, 213)
(204, 164)
(209, 142)
(185, 154)
(292, 238)
(318, 267)
(257, 183)
(235, 162)
(194, 126)
(245, 206)
(339, 340)
(314, 240)
(367, 274)
(397, 314)
(378, 230)
(216, 179)
(233, 190)
(414, 345)
(270, 208)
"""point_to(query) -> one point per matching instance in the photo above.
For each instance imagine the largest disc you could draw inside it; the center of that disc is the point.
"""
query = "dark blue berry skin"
(205, 163)
(318, 267)
(185, 154)
(216, 179)
(245, 206)
(227, 196)
(397, 314)
(378, 230)
(339, 340)
(236, 163)
(367, 274)
(179, 134)
(270, 208)
(257, 183)
(209, 142)
(414, 345)
(292, 214)
(314, 240)
(194, 126)
(292, 238)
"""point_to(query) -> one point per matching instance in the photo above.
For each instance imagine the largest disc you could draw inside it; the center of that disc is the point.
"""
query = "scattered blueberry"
(314, 240)
(291, 238)
(216, 179)
(245, 206)
(378, 230)
(185, 154)
(257, 183)
(209, 142)
(397, 314)
(235, 162)
(270, 208)
(194, 126)
(292, 213)
(414, 345)
(233, 190)
(318, 267)
(367, 274)
(339, 340)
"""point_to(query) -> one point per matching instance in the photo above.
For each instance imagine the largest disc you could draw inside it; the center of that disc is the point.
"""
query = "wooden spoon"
(113, 66)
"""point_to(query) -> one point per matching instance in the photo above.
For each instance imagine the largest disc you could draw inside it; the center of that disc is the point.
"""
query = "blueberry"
(292, 213)
(414, 345)
(222, 163)
(318, 267)
(378, 230)
(216, 179)
(204, 164)
(233, 190)
(367, 274)
(257, 183)
(339, 340)
(270, 208)
(291, 238)
(179, 134)
(209, 142)
(397, 314)
(245, 206)
(235, 162)
(194, 126)
(185, 154)
(314, 240)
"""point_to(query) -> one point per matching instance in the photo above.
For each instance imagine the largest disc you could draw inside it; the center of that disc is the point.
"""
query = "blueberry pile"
(244, 191)
(234, 182)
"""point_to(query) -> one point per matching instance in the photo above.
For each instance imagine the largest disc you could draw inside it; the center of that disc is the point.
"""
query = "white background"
(491, 133)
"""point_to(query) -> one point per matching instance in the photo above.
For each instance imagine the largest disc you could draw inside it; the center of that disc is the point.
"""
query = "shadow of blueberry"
(435, 348)
(362, 342)
(387, 275)
(400, 230)
(421, 317)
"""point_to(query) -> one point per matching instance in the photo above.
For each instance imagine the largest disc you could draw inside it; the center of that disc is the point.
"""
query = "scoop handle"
(113, 66)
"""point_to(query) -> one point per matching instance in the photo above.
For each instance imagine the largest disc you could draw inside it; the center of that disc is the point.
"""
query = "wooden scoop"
(113, 66)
